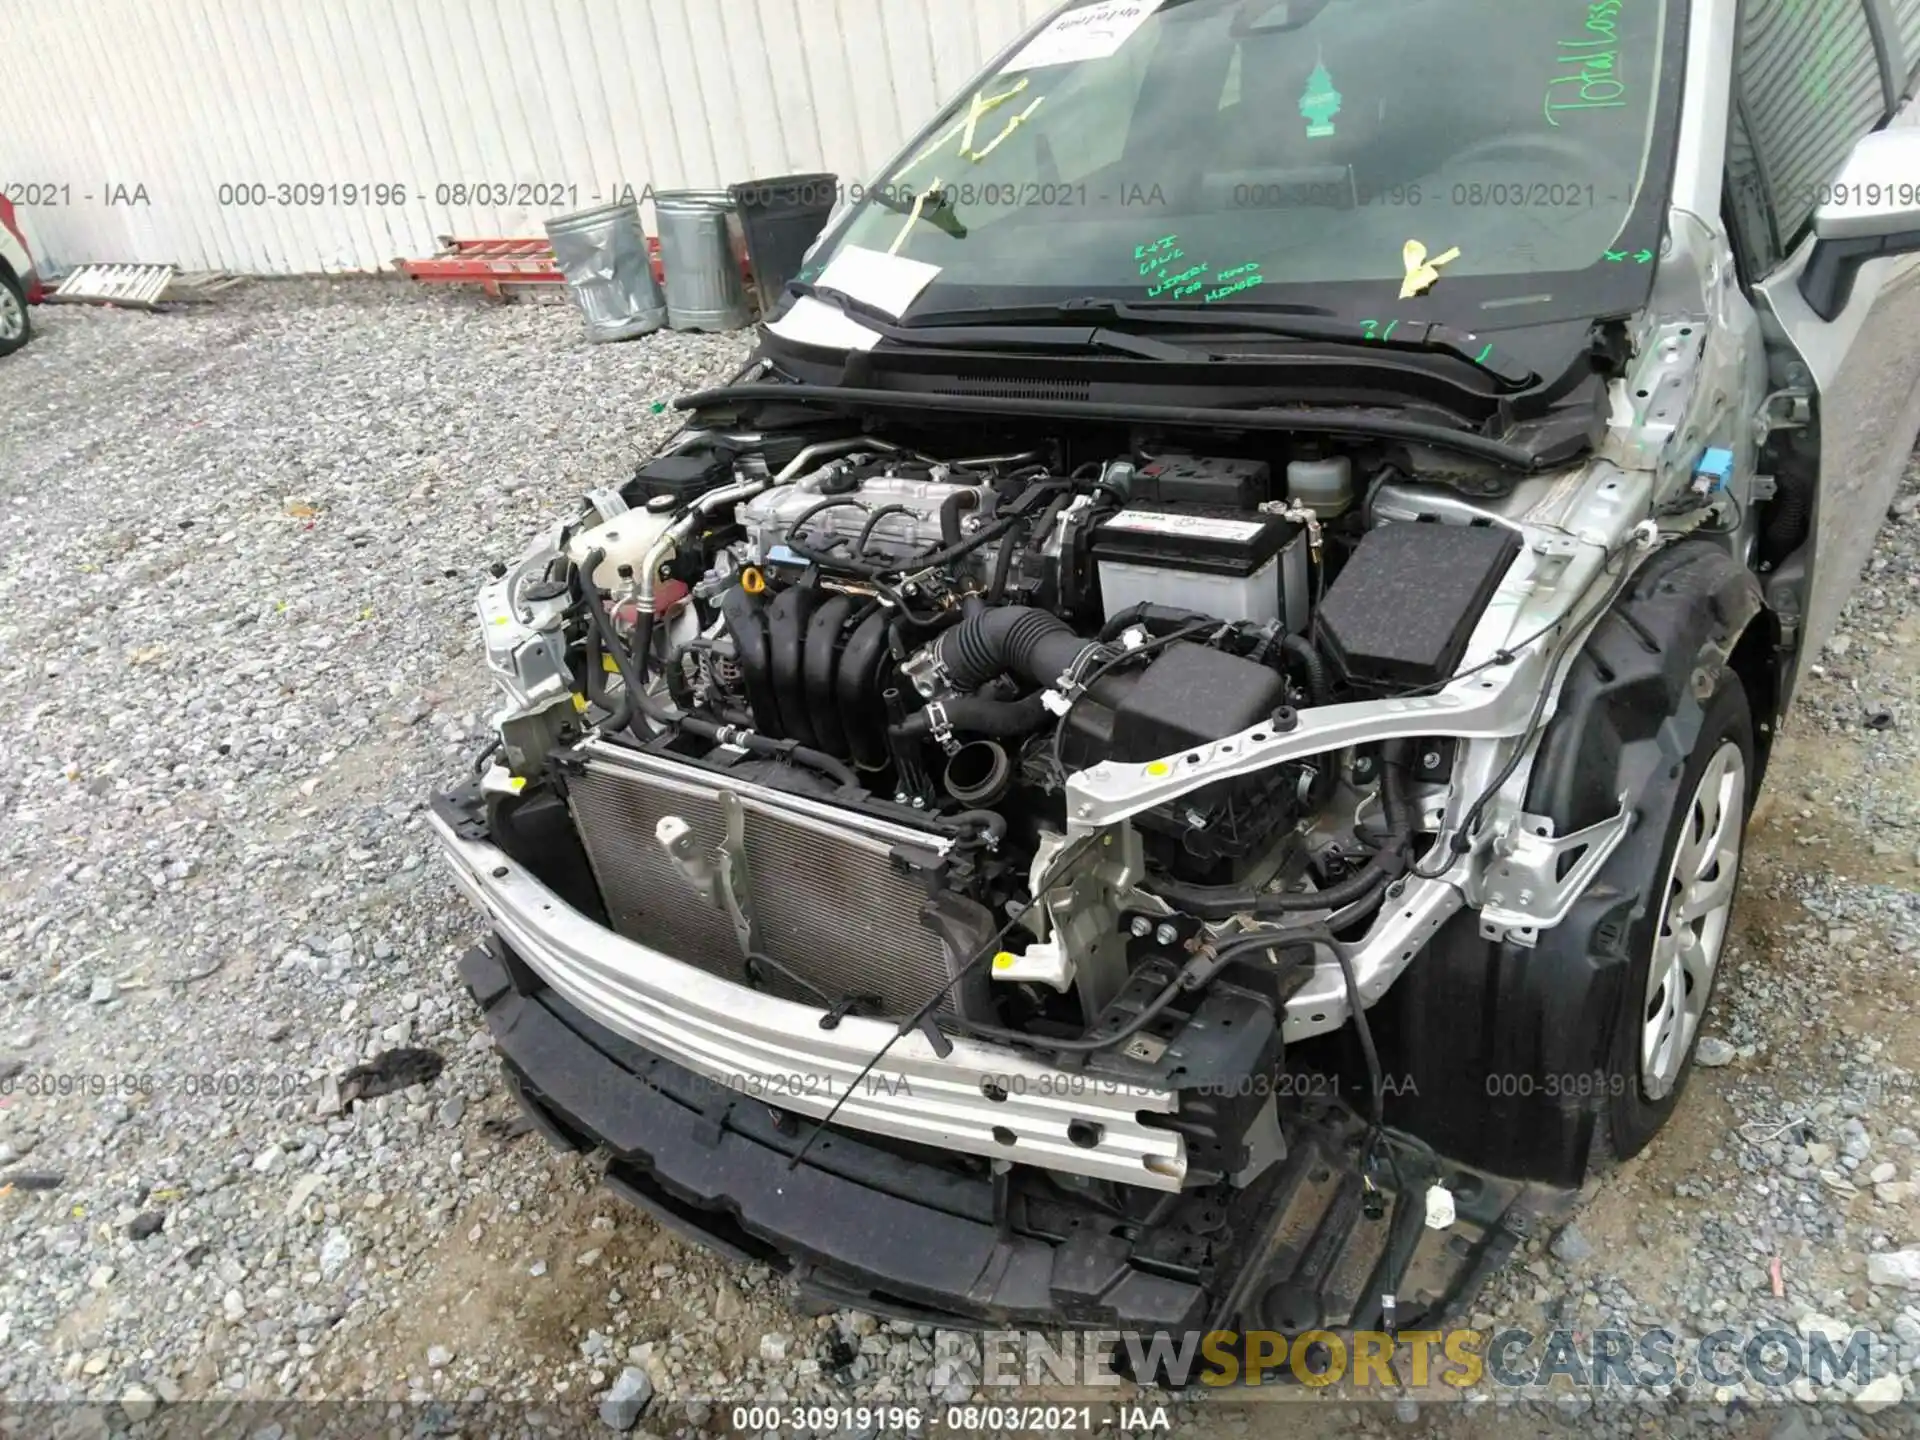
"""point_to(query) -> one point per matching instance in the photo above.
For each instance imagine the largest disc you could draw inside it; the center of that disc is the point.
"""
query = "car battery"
(1211, 561)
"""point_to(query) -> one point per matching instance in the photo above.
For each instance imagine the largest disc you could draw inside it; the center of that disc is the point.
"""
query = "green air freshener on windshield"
(1320, 103)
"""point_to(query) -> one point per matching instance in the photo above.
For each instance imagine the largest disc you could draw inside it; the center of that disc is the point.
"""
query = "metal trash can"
(603, 254)
(780, 218)
(704, 289)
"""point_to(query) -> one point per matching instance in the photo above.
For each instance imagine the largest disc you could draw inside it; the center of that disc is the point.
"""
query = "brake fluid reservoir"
(626, 538)
(1323, 486)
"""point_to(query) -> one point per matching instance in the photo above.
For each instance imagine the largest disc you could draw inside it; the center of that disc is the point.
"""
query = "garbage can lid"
(691, 200)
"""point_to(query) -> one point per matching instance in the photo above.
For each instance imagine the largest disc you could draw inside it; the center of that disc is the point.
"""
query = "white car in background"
(19, 284)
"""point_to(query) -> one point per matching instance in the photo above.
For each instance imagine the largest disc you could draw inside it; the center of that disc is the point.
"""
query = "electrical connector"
(1714, 470)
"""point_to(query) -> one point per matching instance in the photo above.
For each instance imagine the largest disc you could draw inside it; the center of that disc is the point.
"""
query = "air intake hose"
(970, 715)
(1030, 644)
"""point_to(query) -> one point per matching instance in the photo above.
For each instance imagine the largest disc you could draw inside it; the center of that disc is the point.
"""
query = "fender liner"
(1499, 1052)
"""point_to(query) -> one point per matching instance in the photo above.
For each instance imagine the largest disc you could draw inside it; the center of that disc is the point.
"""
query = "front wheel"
(15, 325)
(1677, 944)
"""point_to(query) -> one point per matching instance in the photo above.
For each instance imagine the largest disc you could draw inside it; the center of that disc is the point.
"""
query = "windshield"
(1462, 155)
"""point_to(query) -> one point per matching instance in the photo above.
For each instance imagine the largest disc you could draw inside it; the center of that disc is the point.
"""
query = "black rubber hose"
(819, 659)
(1038, 536)
(866, 530)
(832, 502)
(748, 628)
(774, 749)
(950, 509)
(679, 688)
(620, 712)
(639, 708)
(1220, 902)
(1002, 569)
(858, 684)
(991, 822)
(1311, 665)
(1000, 719)
(787, 621)
(1030, 644)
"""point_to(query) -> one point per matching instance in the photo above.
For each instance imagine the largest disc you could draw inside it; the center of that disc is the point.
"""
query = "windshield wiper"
(1425, 335)
(1294, 323)
(1052, 338)
(936, 208)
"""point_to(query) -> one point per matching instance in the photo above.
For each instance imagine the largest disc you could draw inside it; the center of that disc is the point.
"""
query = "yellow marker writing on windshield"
(1421, 271)
(976, 156)
(964, 128)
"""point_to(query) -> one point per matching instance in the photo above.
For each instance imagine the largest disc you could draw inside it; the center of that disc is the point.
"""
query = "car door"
(1812, 79)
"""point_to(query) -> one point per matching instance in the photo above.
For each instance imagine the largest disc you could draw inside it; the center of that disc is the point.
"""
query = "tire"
(1678, 942)
(16, 321)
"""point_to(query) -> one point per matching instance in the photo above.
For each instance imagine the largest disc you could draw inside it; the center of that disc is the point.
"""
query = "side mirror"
(1871, 209)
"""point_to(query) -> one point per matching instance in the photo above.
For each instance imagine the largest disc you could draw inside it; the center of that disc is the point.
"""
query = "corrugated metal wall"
(124, 119)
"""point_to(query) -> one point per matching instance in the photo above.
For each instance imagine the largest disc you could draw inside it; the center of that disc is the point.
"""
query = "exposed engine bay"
(928, 651)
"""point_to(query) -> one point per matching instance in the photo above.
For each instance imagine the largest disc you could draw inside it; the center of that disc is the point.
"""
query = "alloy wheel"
(1695, 909)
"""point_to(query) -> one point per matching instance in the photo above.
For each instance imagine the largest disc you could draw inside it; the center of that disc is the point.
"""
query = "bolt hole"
(1085, 1133)
(1003, 1136)
(994, 1091)
(1260, 737)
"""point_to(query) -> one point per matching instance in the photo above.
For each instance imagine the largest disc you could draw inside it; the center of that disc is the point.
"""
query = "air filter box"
(1402, 610)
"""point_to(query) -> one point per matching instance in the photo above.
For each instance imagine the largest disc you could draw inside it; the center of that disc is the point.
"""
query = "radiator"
(828, 901)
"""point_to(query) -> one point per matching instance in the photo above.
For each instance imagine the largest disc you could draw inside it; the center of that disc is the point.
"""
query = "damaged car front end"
(1054, 803)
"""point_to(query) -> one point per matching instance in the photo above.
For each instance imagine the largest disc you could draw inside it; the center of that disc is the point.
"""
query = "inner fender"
(1493, 1052)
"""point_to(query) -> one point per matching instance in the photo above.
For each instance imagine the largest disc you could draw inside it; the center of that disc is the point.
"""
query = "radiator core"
(828, 900)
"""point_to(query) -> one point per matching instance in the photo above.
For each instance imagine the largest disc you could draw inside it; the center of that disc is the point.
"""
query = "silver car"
(1174, 753)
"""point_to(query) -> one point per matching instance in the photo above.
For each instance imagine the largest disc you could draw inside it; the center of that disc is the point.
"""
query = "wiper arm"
(1398, 335)
(933, 205)
(994, 337)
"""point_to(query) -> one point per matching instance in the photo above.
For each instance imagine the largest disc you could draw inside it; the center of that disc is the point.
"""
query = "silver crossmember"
(775, 1051)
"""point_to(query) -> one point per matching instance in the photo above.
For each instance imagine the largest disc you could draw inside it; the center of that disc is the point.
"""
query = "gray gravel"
(236, 651)
(237, 648)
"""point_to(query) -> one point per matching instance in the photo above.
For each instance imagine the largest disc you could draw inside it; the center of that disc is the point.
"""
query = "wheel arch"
(1495, 1043)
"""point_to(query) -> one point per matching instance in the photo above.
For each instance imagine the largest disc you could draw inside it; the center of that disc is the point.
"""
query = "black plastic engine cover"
(1404, 606)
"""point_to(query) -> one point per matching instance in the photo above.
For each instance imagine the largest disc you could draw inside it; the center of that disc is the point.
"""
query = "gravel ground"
(238, 650)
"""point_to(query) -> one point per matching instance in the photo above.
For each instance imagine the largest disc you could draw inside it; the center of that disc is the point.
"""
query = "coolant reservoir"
(1323, 486)
(626, 538)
